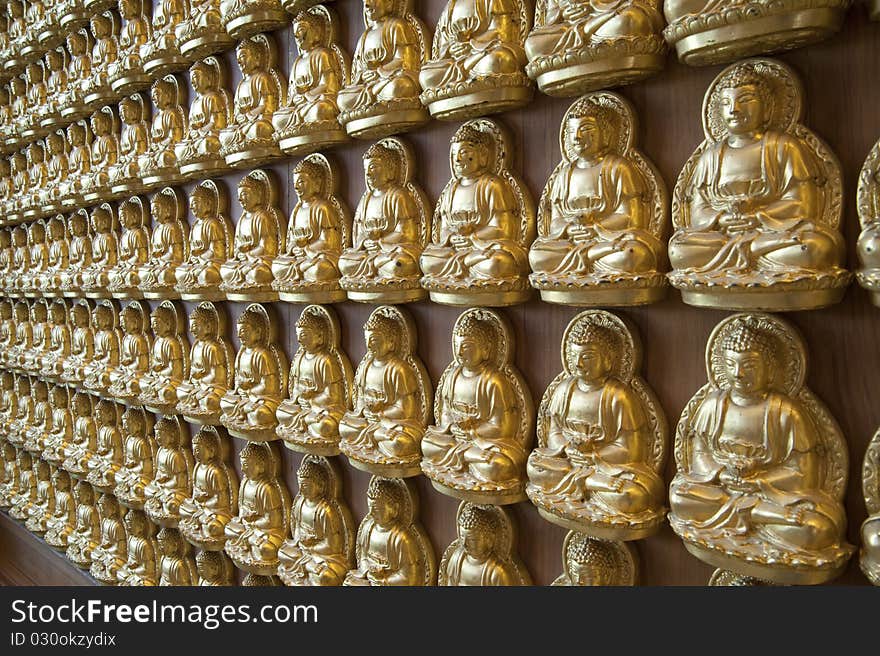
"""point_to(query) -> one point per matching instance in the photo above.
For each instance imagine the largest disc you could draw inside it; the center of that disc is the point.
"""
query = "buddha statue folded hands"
(209, 114)
(169, 245)
(172, 483)
(161, 54)
(757, 208)
(382, 97)
(105, 252)
(210, 244)
(476, 450)
(256, 533)
(259, 237)
(870, 553)
(391, 228)
(391, 404)
(602, 216)
(211, 367)
(134, 248)
(483, 224)
(159, 164)
(762, 464)
(134, 354)
(169, 359)
(307, 267)
(248, 409)
(248, 140)
(720, 31)
(201, 32)
(127, 74)
(320, 550)
(577, 46)
(309, 120)
(320, 384)
(392, 548)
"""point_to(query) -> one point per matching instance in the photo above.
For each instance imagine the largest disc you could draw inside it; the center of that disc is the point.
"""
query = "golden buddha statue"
(589, 561)
(7, 331)
(392, 547)
(142, 551)
(42, 510)
(201, 32)
(176, 564)
(161, 53)
(107, 459)
(214, 500)
(214, 569)
(601, 436)
(210, 244)
(248, 408)
(762, 464)
(720, 31)
(248, 140)
(104, 153)
(24, 336)
(209, 114)
(159, 165)
(21, 260)
(169, 359)
(20, 116)
(111, 554)
(134, 143)
(169, 245)
(259, 237)
(35, 98)
(57, 168)
(392, 225)
(476, 450)
(17, 32)
(382, 97)
(9, 484)
(134, 354)
(483, 224)
(39, 259)
(60, 525)
(79, 253)
(320, 384)
(870, 531)
(172, 483)
(391, 403)
(602, 216)
(320, 550)
(757, 208)
(243, 18)
(98, 371)
(105, 251)
(255, 534)
(79, 164)
(56, 85)
(484, 553)
(60, 426)
(20, 182)
(26, 494)
(82, 343)
(58, 347)
(139, 458)
(23, 416)
(105, 52)
(211, 367)
(6, 265)
(128, 73)
(38, 177)
(84, 437)
(37, 429)
(309, 120)
(79, 69)
(86, 535)
(71, 14)
(868, 205)
(58, 254)
(133, 249)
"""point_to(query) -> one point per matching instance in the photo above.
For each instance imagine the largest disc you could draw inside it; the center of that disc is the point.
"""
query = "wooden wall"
(840, 78)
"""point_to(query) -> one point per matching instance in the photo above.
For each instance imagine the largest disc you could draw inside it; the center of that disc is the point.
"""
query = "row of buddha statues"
(761, 464)
(756, 215)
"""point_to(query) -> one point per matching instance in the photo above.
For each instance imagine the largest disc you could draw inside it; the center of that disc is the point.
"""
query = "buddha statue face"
(477, 540)
(744, 107)
(103, 317)
(253, 464)
(208, 568)
(380, 172)
(380, 340)
(61, 480)
(100, 27)
(204, 448)
(82, 407)
(133, 424)
(250, 331)
(76, 135)
(309, 337)
(19, 237)
(588, 566)
(129, 111)
(59, 397)
(105, 414)
(129, 9)
(21, 312)
(170, 543)
(469, 350)
(35, 154)
(202, 325)
(250, 195)
(58, 314)
(100, 123)
(161, 322)
(76, 44)
(135, 524)
(54, 60)
(312, 482)
(102, 220)
(306, 183)
(41, 391)
(78, 225)
(470, 158)
(746, 371)
(108, 506)
(586, 137)
(376, 10)
(249, 57)
(166, 434)
(33, 73)
(54, 143)
(383, 505)
(80, 316)
(162, 209)
(83, 493)
(162, 94)
(202, 204)
(56, 229)
(131, 321)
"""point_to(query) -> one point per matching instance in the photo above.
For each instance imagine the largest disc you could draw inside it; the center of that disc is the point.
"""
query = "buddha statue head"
(104, 317)
(207, 447)
(134, 422)
(39, 311)
(312, 330)
(136, 524)
(164, 92)
(472, 152)
(105, 413)
(164, 207)
(204, 322)
(80, 315)
(78, 224)
(257, 463)
(382, 335)
(313, 479)
(746, 101)
(163, 320)
(382, 167)
(168, 433)
(82, 404)
(61, 480)
(474, 342)
(59, 397)
(131, 318)
(171, 543)
(108, 507)
(478, 529)
(214, 568)
(255, 192)
(592, 562)
(253, 330)
(40, 390)
(77, 43)
(131, 109)
(102, 121)
(83, 493)
(388, 503)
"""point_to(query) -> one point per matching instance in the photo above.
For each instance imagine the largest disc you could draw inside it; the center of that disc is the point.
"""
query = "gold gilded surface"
(107, 459)
(320, 386)
(603, 213)
(82, 342)
(198, 153)
(56, 259)
(392, 226)
(248, 408)
(139, 458)
(172, 483)
(104, 153)
(44, 501)
(201, 32)
(9, 483)
(111, 553)
(870, 532)
(79, 68)
(128, 74)
(720, 31)
(96, 89)
(169, 245)
(133, 248)
(86, 535)
(134, 354)
(589, 561)
(754, 228)
(382, 97)
(60, 428)
(211, 368)
(243, 18)
(484, 553)
(22, 502)
(391, 400)
(214, 568)
(134, 142)
(36, 432)
(159, 165)
(601, 436)
(210, 244)
(169, 359)
(761, 463)
(214, 500)
(309, 119)
(868, 205)
(24, 411)
(259, 237)
(483, 224)
(57, 167)
(248, 140)
(255, 534)
(79, 164)
(97, 371)
(71, 14)
(177, 566)
(392, 548)
(306, 269)
(161, 54)
(320, 550)
(142, 551)
(105, 252)
(84, 438)
(60, 525)
(477, 448)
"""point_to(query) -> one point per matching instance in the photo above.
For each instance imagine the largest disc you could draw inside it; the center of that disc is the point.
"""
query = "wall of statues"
(458, 292)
